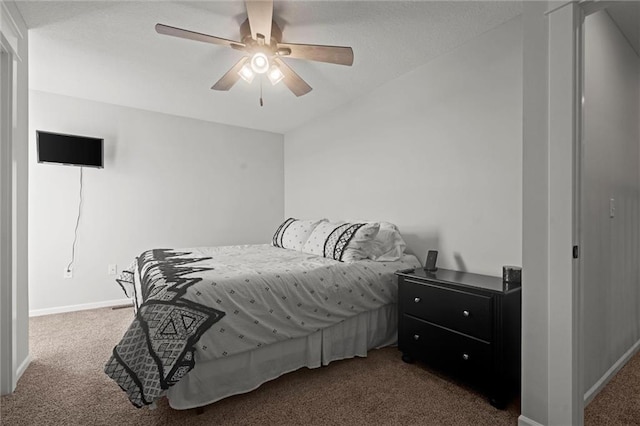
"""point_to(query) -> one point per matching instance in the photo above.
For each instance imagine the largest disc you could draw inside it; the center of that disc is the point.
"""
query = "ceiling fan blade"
(192, 35)
(260, 14)
(231, 77)
(332, 54)
(292, 80)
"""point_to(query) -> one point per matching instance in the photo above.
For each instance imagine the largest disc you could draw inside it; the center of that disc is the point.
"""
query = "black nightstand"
(467, 325)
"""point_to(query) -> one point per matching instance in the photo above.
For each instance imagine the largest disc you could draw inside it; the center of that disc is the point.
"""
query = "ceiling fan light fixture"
(275, 75)
(246, 73)
(260, 63)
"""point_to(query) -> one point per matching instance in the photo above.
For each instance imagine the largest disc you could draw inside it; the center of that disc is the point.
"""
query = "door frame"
(8, 331)
(566, 130)
(10, 39)
(552, 375)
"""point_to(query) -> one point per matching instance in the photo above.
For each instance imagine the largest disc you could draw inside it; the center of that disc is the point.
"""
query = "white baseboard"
(606, 378)
(82, 307)
(22, 367)
(526, 421)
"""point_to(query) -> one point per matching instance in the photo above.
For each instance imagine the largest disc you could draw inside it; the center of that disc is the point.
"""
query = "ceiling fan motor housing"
(245, 35)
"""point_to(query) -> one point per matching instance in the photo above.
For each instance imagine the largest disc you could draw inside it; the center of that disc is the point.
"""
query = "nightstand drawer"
(458, 353)
(465, 312)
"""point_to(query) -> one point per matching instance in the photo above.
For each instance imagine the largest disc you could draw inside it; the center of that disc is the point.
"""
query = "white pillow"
(361, 245)
(342, 241)
(293, 233)
(388, 245)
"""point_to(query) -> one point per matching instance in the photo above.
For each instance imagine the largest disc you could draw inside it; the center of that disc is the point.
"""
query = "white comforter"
(270, 294)
(200, 304)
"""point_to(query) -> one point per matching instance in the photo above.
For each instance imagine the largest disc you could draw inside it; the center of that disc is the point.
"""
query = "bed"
(218, 321)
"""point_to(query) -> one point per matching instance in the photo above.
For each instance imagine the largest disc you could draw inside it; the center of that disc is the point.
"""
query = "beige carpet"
(618, 403)
(65, 385)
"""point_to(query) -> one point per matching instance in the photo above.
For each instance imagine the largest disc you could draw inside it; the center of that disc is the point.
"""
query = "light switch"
(612, 207)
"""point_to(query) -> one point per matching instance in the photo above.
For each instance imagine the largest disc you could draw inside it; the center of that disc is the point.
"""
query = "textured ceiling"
(109, 51)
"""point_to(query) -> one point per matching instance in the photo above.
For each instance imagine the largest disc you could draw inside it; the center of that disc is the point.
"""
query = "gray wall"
(438, 151)
(167, 181)
(611, 276)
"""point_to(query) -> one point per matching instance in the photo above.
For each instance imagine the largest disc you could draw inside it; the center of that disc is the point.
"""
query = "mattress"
(199, 305)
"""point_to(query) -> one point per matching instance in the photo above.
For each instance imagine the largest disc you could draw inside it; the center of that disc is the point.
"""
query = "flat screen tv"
(69, 150)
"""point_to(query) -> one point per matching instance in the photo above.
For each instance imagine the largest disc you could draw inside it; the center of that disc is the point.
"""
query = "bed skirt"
(211, 381)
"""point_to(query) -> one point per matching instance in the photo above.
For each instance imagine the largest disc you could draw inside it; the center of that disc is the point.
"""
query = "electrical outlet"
(68, 273)
(112, 269)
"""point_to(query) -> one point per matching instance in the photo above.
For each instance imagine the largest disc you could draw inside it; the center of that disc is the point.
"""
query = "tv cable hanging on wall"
(70, 150)
(75, 232)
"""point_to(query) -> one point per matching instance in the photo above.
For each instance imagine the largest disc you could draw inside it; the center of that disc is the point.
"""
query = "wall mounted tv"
(69, 150)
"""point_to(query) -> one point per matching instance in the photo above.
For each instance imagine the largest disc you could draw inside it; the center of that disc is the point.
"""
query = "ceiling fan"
(261, 41)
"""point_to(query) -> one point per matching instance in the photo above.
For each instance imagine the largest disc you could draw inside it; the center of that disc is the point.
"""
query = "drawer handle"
(417, 300)
(465, 357)
(416, 336)
(465, 313)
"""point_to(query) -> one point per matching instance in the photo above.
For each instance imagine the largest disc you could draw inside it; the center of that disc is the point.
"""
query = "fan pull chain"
(261, 103)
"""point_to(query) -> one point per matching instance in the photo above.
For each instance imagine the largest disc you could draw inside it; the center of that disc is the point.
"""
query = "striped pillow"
(342, 241)
(293, 233)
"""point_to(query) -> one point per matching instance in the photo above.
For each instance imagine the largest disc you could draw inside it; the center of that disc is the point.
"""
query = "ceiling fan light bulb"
(275, 75)
(246, 73)
(260, 63)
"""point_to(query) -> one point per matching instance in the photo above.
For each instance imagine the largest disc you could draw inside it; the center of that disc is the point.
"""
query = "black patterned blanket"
(158, 348)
